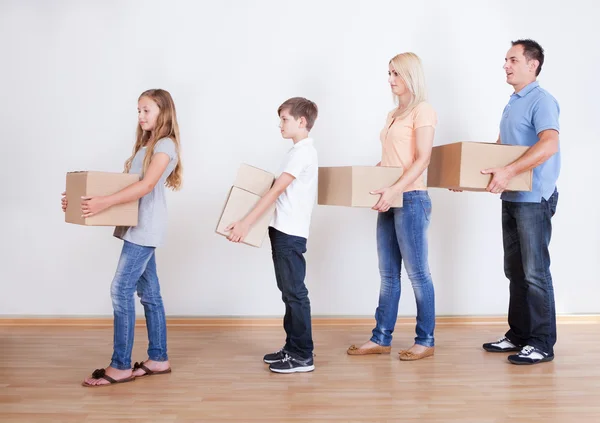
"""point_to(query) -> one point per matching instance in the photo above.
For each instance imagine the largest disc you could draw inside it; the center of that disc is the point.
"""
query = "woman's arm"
(424, 143)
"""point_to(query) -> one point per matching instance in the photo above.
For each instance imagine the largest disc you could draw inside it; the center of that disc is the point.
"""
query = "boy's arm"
(239, 230)
(94, 205)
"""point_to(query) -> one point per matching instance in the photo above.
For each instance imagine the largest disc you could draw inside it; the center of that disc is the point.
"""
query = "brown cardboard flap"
(254, 180)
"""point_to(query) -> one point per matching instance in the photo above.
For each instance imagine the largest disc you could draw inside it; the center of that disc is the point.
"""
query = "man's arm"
(537, 154)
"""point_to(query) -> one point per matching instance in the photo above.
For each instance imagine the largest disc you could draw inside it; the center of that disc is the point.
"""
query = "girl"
(407, 140)
(155, 157)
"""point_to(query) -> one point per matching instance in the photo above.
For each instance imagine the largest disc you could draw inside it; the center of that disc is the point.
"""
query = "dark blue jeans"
(290, 271)
(526, 231)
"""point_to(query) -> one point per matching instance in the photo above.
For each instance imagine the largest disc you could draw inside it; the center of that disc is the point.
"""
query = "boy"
(294, 194)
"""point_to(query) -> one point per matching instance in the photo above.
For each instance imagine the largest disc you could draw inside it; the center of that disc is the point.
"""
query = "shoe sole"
(272, 361)
(295, 370)
(543, 360)
(501, 350)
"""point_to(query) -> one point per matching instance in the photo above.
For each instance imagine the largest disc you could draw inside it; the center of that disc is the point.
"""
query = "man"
(531, 119)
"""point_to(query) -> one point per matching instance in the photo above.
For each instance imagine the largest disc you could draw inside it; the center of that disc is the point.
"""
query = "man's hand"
(501, 178)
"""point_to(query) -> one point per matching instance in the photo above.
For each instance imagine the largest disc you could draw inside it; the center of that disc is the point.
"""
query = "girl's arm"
(94, 205)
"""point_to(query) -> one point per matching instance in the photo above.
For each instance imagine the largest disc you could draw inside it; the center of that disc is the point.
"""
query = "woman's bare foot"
(116, 374)
(417, 349)
(154, 366)
(369, 344)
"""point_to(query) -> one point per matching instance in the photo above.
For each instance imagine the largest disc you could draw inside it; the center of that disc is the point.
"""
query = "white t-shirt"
(293, 208)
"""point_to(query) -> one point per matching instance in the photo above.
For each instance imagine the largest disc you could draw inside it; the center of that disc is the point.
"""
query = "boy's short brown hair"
(298, 107)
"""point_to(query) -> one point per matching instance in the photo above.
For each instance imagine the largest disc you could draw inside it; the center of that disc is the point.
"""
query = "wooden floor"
(218, 376)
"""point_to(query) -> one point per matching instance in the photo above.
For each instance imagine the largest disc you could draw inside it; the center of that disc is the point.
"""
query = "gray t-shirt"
(152, 215)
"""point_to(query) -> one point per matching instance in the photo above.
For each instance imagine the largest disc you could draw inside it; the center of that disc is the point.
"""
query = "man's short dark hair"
(532, 51)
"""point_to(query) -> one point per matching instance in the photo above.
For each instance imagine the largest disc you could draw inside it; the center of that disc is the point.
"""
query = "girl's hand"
(91, 206)
(63, 201)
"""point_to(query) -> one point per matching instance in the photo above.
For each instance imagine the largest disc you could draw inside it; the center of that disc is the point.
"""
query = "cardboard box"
(459, 165)
(350, 186)
(249, 186)
(92, 184)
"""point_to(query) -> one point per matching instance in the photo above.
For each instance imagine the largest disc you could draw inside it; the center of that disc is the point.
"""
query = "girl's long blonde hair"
(166, 127)
(409, 68)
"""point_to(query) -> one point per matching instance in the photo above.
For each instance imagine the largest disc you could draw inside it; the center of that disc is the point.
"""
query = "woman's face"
(396, 83)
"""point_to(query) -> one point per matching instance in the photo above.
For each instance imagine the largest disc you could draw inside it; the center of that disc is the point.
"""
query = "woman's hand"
(388, 196)
(63, 201)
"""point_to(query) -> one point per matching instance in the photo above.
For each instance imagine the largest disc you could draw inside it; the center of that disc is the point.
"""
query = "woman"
(407, 140)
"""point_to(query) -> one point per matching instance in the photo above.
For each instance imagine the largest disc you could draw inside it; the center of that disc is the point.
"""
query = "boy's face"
(290, 126)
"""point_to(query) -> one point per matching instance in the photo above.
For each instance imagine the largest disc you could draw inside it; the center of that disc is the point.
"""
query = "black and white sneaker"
(274, 357)
(530, 355)
(501, 345)
(290, 364)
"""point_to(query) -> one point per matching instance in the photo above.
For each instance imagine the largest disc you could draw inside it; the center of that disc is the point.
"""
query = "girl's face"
(148, 112)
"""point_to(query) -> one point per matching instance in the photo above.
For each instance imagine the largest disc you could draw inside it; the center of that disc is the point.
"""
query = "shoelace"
(286, 358)
(528, 349)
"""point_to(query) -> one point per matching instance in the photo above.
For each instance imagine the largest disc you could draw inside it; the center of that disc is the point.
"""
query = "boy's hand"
(91, 206)
(388, 196)
(238, 230)
(63, 201)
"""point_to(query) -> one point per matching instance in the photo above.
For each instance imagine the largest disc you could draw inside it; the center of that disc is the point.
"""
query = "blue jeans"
(402, 235)
(526, 231)
(137, 271)
(290, 271)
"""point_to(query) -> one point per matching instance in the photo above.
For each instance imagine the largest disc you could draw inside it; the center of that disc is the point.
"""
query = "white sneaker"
(501, 345)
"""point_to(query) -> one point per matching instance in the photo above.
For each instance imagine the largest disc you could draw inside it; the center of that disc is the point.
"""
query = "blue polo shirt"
(529, 112)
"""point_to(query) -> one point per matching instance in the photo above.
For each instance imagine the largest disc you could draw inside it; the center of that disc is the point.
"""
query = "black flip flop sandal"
(147, 371)
(101, 374)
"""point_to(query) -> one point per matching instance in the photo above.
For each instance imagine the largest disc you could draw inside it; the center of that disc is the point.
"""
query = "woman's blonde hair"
(409, 68)
(166, 127)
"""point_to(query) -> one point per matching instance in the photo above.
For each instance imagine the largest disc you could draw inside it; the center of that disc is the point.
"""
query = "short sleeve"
(295, 163)
(424, 115)
(167, 146)
(545, 114)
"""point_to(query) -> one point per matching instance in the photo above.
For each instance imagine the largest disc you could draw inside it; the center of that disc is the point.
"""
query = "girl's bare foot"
(154, 366)
(111, 372)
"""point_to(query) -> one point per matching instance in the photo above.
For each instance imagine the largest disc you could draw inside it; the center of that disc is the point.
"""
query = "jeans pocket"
(426, 204)
(551, 203)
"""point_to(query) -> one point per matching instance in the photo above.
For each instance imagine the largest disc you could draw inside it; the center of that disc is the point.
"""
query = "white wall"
(71, 73)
